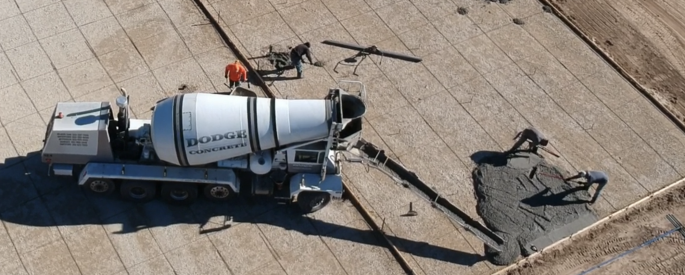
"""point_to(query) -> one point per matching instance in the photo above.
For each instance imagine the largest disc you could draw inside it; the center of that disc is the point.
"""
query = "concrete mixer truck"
(208, 144)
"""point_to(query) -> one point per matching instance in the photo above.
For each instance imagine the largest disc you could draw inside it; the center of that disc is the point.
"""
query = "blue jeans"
(600, 186)
(297, 62)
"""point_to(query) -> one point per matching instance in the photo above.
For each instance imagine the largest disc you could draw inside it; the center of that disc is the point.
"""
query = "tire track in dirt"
(629, 48)
(663, 259)
(625, 232)
(673, 18)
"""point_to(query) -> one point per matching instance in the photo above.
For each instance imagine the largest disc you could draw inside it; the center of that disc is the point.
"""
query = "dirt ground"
(606, 241)
(645, 37)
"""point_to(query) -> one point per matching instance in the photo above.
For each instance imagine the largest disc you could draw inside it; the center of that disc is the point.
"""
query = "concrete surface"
(53, 51)
(482, 79)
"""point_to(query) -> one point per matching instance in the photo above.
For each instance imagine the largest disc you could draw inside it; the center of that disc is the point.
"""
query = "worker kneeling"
(532, 135)
(234, 73)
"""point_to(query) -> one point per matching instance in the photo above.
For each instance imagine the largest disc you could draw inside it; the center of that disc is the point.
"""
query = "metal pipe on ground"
(350, 194)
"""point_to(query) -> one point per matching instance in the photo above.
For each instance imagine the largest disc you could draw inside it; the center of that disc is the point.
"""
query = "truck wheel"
(138, 191)
(311, 202)
(179, 193)
(101, 187)
(218, 192)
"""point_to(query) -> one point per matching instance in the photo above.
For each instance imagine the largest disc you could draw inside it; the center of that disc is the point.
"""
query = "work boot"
(299, 75)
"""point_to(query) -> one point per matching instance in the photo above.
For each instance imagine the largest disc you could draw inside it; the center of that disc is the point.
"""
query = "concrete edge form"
(608, 218)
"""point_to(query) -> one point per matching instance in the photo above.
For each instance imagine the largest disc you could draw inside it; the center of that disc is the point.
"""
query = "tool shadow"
(548, 198)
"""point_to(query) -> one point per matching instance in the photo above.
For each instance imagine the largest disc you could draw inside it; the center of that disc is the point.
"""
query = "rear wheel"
(100, 187)
(179, 193)
(218, 192)
(138, 191)
(311, 202)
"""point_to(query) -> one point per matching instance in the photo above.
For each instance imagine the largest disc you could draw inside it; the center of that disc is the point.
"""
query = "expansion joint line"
(350, 194)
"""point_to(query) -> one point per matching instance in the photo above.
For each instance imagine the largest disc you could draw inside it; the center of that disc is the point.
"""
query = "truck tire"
(218, 192)
(138, 191)
(311, 202)
(100, 187)
(179, 193)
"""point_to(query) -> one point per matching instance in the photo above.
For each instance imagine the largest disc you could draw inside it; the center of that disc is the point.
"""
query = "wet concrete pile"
(526, 200)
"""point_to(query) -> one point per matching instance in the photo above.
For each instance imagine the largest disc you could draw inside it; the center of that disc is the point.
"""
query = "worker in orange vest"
(234, 73)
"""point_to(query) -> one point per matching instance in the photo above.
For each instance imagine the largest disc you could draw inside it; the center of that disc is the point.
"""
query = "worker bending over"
(296, 56)
(592, 177)
(535, 137)
(234, 73)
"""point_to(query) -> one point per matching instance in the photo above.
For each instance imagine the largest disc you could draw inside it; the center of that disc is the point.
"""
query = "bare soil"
(644, 37)
(625, 232)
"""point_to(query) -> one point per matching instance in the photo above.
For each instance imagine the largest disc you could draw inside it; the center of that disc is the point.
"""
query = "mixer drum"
(201, 128)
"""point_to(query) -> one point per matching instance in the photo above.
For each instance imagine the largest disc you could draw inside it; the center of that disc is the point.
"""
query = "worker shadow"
(548, 198)
(491, 157)
(273, 75)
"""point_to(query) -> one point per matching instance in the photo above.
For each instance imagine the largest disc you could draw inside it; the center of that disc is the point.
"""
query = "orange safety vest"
(235, 71)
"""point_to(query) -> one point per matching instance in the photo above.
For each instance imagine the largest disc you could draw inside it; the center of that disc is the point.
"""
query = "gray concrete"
(485, 75)
(76, 50)
(482, 79)
(523, 197)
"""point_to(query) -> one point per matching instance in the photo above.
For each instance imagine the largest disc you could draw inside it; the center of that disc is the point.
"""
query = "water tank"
(200, 128)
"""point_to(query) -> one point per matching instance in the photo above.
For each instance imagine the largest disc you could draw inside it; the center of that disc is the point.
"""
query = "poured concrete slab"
(504, 77)
(472, 72)
(529, 201)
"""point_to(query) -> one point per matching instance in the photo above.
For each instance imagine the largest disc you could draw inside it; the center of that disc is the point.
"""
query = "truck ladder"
(333, 134)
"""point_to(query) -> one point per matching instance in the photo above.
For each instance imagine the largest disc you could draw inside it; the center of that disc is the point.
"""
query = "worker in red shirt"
(234, 73)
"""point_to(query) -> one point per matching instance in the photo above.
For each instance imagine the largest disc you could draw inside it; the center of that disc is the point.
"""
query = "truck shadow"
(31, 198)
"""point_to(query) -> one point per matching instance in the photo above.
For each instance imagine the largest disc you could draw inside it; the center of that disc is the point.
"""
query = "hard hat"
(582, 173)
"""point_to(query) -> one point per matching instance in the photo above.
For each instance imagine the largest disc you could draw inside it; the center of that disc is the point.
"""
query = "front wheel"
(311, 202)
(179, 193)
(100, 187)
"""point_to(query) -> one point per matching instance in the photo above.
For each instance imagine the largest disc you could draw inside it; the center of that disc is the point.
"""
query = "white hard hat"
(582, 173)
